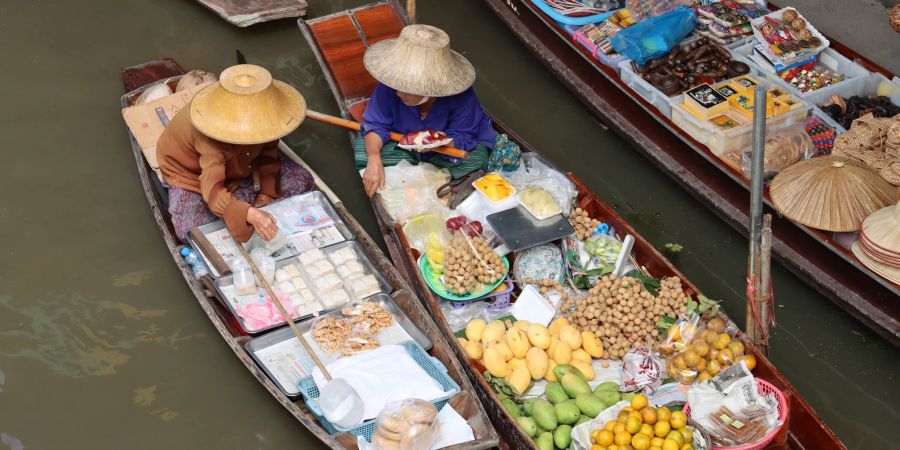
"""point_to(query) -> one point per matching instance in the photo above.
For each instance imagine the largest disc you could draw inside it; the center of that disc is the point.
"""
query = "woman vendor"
(220, 156)
(423, 85)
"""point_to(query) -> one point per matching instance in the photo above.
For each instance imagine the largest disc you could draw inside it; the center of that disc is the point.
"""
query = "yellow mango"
(584, 367)
(462, 342)
(520, 379)
(475, 329)
(474, 350)
(562, 353)
(571, 335)
(522, 325)
(550, 376)
(495, 363)
(501, 346)
(515, 363)
(538, 335)
(554, 326)
(537, 361)
(553, 341)
(517, 340)
(493, 331)
(581, 355)
(591, 344)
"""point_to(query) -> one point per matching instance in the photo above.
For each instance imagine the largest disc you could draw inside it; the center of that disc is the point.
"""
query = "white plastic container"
(866, 87)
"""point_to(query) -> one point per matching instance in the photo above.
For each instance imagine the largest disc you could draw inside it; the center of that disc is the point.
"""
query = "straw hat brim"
(247, 120)
(417, 77)
(891, 274)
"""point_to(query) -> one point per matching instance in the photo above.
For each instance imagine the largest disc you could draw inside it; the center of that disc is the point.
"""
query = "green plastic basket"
(434, 282)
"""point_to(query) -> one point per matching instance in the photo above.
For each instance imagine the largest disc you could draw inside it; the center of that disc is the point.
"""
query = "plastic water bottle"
(195, 262)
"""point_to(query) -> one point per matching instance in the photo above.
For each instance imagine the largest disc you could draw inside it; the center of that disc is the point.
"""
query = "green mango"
(528, 425)
(512, 407)
(582, 420)
(555, 393)
(563, 369)
(545, 441)
(562, 437)
(608, 398)
(544, 415)
(567, 412)
(574, 384)
(502, 396)
(589, 404)
(529, 405)
(628, 396)
(607, 386)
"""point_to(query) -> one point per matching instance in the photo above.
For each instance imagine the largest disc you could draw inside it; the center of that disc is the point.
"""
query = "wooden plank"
(342, 49)
(244, 13)
(378, 23)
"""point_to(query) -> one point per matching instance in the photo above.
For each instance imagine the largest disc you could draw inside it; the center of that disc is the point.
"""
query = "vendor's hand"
(373, 177)
(263, 223)
(262, 200)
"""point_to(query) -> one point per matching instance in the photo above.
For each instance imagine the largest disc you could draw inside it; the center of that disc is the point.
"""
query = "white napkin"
(383, 375)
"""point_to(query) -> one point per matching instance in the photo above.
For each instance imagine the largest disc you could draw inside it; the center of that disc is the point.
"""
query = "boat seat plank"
(357, 109)
(342, 49)
(378, 23)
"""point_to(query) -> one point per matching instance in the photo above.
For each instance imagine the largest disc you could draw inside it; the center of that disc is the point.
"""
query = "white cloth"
(385, 374)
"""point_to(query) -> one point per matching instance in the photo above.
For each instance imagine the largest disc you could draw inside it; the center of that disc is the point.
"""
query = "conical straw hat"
(247, 106)
(882, 228)
(890, 273)
(830, 193)
(420, 62)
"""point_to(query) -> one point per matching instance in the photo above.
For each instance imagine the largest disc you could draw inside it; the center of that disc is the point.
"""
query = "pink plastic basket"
(764, 388)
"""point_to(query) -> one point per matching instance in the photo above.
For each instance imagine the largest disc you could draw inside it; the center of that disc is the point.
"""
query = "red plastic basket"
(764, 388)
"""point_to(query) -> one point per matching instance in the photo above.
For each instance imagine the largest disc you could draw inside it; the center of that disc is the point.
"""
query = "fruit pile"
(700, 356)
(570, 402)
(524, 351)
(582, 223)
(623, 313)
(643, 427)
(470, 264)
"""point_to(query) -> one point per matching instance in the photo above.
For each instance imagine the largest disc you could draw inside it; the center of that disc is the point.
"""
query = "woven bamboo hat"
(830, 193)
(882, 228)
(890, 273)
(420, 62)
(247, 106)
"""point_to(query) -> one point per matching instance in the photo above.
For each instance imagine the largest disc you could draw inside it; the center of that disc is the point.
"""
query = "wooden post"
(411, 10)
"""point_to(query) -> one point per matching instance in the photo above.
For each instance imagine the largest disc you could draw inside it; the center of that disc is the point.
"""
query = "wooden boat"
(135, 80)
(809, 253)
(339, 42)
(243, 13)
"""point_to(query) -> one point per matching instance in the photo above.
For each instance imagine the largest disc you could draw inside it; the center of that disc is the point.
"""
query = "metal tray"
(302, 357)
(295, 247)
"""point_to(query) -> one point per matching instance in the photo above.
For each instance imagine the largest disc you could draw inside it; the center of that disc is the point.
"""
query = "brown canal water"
(103, 347)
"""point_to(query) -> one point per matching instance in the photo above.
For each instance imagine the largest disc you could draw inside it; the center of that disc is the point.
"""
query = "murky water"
(101, 344)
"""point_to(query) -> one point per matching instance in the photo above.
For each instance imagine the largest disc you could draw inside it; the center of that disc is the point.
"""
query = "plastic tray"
(306, 363)
(312, 197)
(607, 60)
(566, 20)
(757, 22)
(652, 95)
(431, 365)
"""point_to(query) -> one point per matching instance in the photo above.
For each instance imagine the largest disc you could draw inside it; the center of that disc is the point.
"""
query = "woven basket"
(895, 18)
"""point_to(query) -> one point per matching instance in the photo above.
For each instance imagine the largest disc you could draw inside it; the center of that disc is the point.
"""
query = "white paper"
(453, 428)
(533, 307)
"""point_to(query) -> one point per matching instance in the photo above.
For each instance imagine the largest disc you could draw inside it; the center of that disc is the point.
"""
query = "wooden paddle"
(282, 310)
(352, 125)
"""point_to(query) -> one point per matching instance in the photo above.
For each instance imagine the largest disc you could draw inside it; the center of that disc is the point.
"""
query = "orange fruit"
(640, 442)
(632, 425)
(687, 447)
(622, 438)
(655, 447)
(725, 357)
(678, 420)
(634, 414)
(704, 376)
(620, 427)
(713, 368)
(605, 437)
(675, 436)
(674, 333)
(709, 336)
(691, 357)
(737, 348)
(663, 413)
(701, 365)
(721, 341)
(646, 429)
(716, 324)
(701, 347)
(669, 444)
(638, 402)
(649, 415)
(679, 362)
(656, 442)
(661, 429)
(688, 435)
(610, 425)
(750, 360)
(597, 447)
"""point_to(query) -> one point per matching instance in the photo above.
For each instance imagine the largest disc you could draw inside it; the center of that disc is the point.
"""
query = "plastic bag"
(330, 331)
(406, 425)
(368, 315)
(426, 229)
(361, 339)
(470, 264)
(783, 148)
(604, 248)
(653, 38)
(642, 370)
(536, 173)
(698, 351)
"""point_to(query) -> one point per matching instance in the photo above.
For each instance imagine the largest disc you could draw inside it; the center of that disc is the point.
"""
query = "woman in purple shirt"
(423, 85)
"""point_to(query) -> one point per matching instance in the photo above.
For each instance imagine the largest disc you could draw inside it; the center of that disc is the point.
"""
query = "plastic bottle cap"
(185, 251)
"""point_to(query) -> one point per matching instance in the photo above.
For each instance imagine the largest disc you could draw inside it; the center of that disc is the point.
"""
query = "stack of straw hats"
(878, 246)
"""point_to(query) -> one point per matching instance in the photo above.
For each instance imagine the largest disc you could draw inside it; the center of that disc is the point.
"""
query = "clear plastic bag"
(409, 190)
(330, 331)
(783, 148)
(604, 248)
(536, 173)
(361, 339)
(406, 425)
(654, 37)
(368, 315)
(470, 264)
(698, 351)
(642, 370)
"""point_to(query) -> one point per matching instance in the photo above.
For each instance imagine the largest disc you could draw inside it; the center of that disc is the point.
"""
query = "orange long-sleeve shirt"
(190, 160)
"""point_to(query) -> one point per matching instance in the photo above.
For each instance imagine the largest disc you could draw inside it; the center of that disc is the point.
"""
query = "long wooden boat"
(809, 253)
(339, 42)
(243, 13)
(167, 71)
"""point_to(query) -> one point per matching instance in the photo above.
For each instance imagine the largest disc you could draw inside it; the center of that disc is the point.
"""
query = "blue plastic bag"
(654, 37)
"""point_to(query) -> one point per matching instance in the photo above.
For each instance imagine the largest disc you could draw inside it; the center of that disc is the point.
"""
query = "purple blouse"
(460, 116)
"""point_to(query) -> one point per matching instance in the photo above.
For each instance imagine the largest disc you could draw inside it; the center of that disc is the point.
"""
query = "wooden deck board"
(342, 49)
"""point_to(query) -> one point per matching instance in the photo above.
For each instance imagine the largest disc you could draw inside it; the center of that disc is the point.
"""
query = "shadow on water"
(101, 344)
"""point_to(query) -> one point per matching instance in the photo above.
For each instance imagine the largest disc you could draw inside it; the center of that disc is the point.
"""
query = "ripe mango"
(474, 350)
(501, 346)
(538, 335)
(570, 334)
(495, 363)
(493, 331)
(537, 362)
(517, 340)
(581, 355)
(515, 363)
(585, 368)
(550, 376)
(591, 344)
(556, 324)
(520, 380)
(475, 329)
(562, 353)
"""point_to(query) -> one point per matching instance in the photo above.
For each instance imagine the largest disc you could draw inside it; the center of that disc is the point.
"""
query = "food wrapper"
(470, 264)
(410, 424)
(642, 370)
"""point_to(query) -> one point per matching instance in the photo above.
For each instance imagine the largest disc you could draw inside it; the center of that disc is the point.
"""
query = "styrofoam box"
(721, 142)
(643, 88)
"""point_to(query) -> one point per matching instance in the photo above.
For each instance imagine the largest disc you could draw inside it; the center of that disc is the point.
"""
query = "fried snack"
(330, 332)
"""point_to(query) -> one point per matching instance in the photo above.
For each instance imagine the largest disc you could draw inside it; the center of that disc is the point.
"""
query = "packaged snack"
(406, 425)
(373, 315)
(329, 332)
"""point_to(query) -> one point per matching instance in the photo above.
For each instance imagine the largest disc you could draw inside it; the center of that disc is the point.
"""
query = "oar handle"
(282, 310)
(353, 125)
